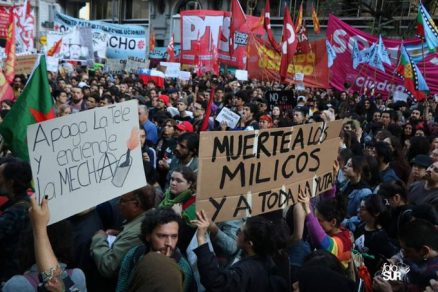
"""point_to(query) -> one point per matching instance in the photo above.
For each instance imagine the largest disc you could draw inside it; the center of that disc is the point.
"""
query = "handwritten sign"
(25, 64)
(228, 116)
(115, 66)
(52, 64)
(242, 75)
(172, 69)
(87, 158)
(184, 75)
(246, 173)
(133, 64)
(283, 99)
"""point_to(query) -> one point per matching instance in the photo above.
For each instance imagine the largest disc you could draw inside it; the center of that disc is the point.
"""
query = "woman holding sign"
(181, 198)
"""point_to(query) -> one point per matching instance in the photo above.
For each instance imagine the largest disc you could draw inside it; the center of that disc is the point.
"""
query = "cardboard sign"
(184, 75)
(134, 64)
(246, 173)
(228, 116)
(115, 66)
(242, 75)
(283, 99)
(87, 158)
(25, 64)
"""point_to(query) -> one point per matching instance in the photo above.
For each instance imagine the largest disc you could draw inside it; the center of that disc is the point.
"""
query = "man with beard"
(185, 154)
(426, 191)
(160, 234)
(77, 102)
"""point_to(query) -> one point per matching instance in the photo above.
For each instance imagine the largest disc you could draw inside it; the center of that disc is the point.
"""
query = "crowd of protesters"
(381, 211)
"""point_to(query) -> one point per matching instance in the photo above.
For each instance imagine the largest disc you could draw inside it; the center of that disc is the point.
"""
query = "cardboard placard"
(246, 173)
(134, 64)
(115, 66)
(25, 64)
(228, 116)
(87, 158)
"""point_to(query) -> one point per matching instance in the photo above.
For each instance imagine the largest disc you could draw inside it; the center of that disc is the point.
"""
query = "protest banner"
(228, 116)
(115, 66)
(4, 21)
(133, 64)
(114, 41)
(342, 37)
(76, 44)
(25, 64)
(201, 30)
(283, 99)
(264, 63)
(81, 160)
(246, 173)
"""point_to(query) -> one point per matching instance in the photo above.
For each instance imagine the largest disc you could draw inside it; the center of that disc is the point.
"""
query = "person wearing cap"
(173, 95)
(183, 114)
(184, 127)
(425, 191)
(419, 165)
(163, 101)
(265, 122)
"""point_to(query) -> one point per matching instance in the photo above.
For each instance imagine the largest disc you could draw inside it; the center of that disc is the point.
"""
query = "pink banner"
(201, 30)
(342, 38)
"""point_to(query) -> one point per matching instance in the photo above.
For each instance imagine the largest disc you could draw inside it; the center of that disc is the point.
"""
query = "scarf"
(189, 213)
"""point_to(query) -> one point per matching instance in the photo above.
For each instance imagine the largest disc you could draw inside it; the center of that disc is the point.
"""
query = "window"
(137, 9)
(103, 9)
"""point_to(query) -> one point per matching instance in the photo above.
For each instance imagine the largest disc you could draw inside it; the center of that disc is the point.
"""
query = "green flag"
(34, 105)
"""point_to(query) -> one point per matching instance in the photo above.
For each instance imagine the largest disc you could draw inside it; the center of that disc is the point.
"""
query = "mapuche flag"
(34, 105)
(426, 28)
(415, 83)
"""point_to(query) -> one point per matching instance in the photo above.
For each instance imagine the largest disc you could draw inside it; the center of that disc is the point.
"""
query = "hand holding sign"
(202, 222)
(39, 215)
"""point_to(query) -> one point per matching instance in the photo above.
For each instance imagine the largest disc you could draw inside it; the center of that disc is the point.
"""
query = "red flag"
(151, 42)
(238, 18)
(316, 27)
(198, 61)
(204, 126)
(11, 59)
(303, 46)
(267, 25)
(289, 43)
(171, 50)
(6, 91)
(55, 49)
(299, 18)
(215, 59)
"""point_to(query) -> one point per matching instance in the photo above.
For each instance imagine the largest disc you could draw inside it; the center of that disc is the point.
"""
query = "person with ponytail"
(325, 230)
(259, 240)
(370, 238)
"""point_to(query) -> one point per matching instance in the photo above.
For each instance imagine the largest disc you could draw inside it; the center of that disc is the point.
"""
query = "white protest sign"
(52, 64)
(228, 116)
(184, 75)
(81, 160)
(299, 76)
(242, 75)
(400, 96)
(172, 69)
(300, 87)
